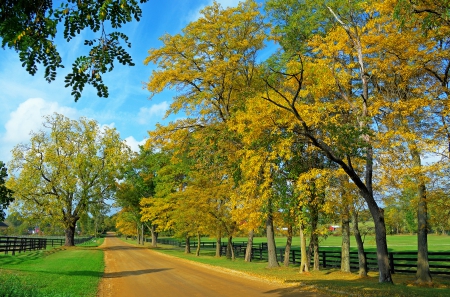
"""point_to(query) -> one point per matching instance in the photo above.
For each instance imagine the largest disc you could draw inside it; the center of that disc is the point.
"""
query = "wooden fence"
(23, 244)
(405, 262)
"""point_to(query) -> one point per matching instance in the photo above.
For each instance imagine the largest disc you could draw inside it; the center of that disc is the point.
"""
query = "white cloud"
(29, 117)
(134, 144)
(155, 111)
(26, 118)
(194, 14)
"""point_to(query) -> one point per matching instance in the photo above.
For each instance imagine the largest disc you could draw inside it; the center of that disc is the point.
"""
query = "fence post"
(293, 256)
(281, 254)
(324, 259)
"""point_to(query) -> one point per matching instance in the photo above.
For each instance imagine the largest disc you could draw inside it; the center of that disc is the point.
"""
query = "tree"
(5, 193)
(30, 28)
(325, 88)
(212, 64)
(66, 167)
(136, 183)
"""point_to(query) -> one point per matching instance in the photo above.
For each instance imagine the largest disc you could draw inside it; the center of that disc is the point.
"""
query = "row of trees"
(349, 113)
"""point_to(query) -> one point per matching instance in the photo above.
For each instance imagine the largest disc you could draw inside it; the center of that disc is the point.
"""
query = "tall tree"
(30, 28)
(212, 64)
(137, 182)
(334, 113)
(65, 168)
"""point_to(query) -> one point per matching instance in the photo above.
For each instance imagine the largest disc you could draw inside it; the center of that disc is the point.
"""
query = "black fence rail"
(23, 244)
(404, 262)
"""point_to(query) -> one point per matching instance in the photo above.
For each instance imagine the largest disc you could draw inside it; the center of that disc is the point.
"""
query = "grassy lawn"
(332, 281)
(62, 271)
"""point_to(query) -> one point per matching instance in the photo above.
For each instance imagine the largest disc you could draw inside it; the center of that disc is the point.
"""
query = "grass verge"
(331, 282)
(58, 272)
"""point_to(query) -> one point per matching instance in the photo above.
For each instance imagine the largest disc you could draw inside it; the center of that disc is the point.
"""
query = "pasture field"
(396, 243)
(57, 272)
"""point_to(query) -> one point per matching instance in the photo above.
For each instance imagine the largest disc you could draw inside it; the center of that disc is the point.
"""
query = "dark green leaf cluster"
(5, 193)
(30, 27)
(89, 69)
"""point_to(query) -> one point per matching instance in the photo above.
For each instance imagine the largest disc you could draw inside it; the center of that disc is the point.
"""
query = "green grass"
(63, 271)
(396, 243)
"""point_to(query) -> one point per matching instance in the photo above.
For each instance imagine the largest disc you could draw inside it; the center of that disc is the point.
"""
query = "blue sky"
(25, 99)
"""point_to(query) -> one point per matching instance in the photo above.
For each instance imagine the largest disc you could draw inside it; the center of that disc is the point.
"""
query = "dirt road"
(134, 271)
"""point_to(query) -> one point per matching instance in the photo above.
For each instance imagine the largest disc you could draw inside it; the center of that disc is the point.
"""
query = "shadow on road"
(133, 272)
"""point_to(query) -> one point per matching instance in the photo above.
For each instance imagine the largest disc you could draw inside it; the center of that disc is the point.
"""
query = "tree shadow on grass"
(295, 292)
(360, 287)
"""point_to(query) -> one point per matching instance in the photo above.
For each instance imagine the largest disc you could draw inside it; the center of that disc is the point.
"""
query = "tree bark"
(271, 248)
(423, 274)
(345, 248)
(187, 248)
(138, 235)
(230, 249)
(70, 235)
(287, 251)
(314, 238)
(197, 251)
(248, 250)
(360, 244)
(154, 236)
(219, 244)
(304, 265)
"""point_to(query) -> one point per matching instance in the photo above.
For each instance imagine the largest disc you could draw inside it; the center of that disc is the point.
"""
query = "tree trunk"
(423, 268)
(304, 265)
(380, 239)
(248, 250)
(142, 234)
(345, 249)
(314, 239)
(287, 251)
(219, 244)
(187, 248)
(154, 236)
(70, 235)
(230, 249)
(271, 248)
(197, 251)
(360, 244)
(138, 235)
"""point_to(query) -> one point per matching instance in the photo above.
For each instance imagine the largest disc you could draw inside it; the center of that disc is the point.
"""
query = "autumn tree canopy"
(66, 167)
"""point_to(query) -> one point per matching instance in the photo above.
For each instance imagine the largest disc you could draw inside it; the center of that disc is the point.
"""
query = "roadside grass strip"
(58, 272)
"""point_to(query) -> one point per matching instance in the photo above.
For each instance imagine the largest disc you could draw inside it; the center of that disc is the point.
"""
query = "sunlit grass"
(63, 271)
